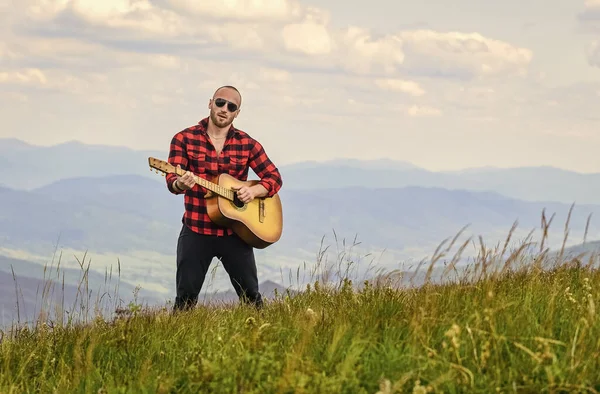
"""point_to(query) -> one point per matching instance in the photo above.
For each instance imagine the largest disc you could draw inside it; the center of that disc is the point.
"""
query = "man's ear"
(209, 103)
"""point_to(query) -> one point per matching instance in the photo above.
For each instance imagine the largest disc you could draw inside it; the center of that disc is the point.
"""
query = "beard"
(218, 121)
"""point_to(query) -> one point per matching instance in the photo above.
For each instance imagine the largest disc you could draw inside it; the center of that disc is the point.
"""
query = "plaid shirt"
(192, 149)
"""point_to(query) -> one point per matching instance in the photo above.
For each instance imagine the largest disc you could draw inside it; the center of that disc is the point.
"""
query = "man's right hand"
(186, 181)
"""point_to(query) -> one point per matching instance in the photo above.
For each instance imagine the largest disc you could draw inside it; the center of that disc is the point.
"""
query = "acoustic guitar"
(259, 223)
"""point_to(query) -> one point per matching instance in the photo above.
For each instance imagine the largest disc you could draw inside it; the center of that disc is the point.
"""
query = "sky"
(443, 85)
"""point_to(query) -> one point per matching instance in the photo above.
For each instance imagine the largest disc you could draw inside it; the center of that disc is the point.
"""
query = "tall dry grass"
(519, 319)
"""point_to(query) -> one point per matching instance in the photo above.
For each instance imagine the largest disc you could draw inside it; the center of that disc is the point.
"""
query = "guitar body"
(258, 223)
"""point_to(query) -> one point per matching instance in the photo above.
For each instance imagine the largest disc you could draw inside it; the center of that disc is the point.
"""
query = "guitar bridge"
(261, 210)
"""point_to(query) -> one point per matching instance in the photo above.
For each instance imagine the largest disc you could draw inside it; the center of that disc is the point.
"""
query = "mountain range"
(48, 164)
(104, 203)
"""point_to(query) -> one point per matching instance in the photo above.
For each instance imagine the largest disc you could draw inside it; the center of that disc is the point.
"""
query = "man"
(206, 149)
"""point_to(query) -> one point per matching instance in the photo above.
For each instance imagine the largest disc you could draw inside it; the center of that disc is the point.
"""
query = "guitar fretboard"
(220, 190)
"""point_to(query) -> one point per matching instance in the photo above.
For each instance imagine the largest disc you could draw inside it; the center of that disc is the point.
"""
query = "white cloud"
(353, 49)
(133, 15)
(88, 84)
(30, 47)
(383, 60)
(364, 53)
(307, 37)
(42, 10)
(469, 53)
(241, 10)
(140, 20)
(98, 11)
(592, 3)
(74, 55)
(30, 76)
(399, 85)
(236, 36)
(287, 31)
(427, 52)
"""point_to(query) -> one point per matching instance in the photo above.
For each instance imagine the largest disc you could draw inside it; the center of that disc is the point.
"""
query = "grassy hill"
(506, 325)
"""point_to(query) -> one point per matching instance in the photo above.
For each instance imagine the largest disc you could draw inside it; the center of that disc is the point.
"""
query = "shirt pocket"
(197, 159)
(238, 162)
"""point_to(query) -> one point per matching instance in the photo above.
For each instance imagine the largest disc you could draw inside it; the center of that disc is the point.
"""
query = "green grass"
(525, 328)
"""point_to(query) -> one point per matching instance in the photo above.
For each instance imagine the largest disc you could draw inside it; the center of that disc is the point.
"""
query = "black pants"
(194, 255)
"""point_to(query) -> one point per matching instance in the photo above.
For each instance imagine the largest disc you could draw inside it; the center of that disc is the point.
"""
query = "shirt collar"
(204, 127)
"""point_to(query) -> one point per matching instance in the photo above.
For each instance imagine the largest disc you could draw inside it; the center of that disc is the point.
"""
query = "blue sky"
(444, 85)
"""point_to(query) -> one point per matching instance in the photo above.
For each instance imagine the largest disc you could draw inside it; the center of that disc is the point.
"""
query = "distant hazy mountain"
(86, 213)
(377, 164)
(33, 166)
(120, 214)
(45, 165)
(585, 251)
(14, 145)
(532, 184)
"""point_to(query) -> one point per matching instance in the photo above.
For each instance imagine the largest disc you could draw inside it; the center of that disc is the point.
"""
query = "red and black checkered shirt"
(193, 151)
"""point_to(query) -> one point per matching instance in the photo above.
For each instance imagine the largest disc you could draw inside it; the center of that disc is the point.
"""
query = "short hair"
(229, 87)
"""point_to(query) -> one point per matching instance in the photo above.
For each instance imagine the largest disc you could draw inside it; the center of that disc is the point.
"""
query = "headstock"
(161, 167)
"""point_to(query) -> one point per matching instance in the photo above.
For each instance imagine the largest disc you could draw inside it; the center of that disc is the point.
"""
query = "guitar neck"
(213, 187)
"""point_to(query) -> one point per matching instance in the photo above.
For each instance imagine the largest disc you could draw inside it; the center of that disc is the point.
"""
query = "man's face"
(223, 116)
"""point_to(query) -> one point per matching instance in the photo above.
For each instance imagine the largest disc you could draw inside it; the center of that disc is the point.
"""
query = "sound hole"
(236, 201)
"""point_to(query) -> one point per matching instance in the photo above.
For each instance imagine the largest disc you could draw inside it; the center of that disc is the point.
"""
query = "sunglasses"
(232, 107)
